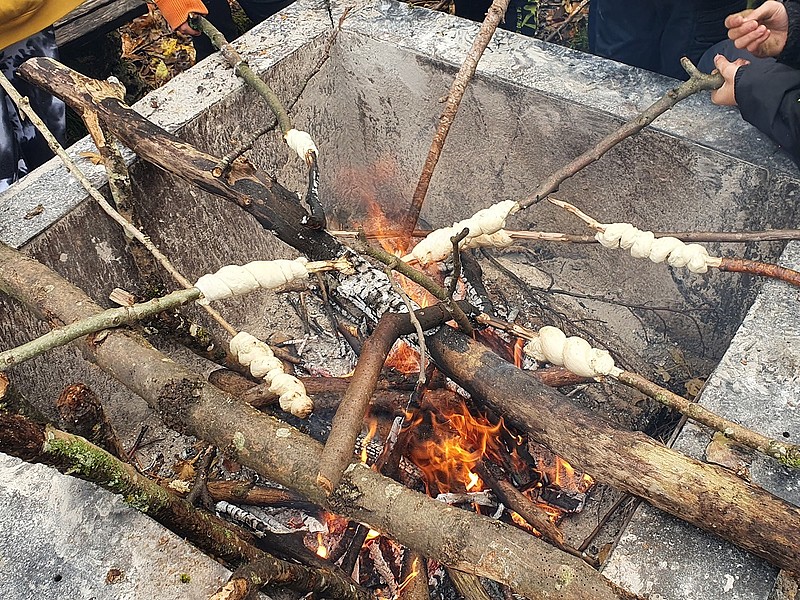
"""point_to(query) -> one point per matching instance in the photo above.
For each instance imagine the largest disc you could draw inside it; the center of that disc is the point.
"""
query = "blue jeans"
(22, 147)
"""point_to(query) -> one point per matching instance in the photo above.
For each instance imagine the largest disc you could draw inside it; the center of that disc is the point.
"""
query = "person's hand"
(186, 29)
(725, 96)
(761, 31)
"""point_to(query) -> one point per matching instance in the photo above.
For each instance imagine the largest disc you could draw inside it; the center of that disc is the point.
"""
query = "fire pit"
(372, 107)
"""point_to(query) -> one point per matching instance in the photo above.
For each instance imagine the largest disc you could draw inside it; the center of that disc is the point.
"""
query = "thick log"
(276, 208)
(185, 401)
(705, 495)
(74, 455)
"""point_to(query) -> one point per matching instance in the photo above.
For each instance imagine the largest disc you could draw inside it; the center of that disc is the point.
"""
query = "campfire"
(385, 411)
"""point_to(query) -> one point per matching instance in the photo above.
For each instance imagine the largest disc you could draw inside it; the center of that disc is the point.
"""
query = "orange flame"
(322, 550)
(459, 442)
(561, 474)
(403, 358)
(518, 346)
(373, 427)
(415, 570)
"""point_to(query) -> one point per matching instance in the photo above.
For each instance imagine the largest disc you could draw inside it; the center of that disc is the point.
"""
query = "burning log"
(707, 496)
(415, 578)
(519, 503)
(457, 538)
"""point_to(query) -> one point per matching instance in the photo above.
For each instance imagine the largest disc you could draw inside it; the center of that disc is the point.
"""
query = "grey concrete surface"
(755, 384)
(64, 538)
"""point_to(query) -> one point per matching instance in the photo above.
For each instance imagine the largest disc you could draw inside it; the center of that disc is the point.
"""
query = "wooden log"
(74, 455)
(454, 537)
(275, 207)
(705, 495)
(94, 18)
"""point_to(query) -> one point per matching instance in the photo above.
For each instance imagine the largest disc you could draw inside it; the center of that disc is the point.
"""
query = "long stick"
(770, 235)
(74, 455)
(493, 17)
(113, 317)
(697, 82)
(243, 70)
(109, 154)
(786, 454)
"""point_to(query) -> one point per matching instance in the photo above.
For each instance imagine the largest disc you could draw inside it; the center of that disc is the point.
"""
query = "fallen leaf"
(694, 386)
(37, 210)
(726, 453)
(93, 156)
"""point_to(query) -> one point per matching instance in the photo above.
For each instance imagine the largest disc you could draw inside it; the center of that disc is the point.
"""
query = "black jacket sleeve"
(791, 52)
(768, 95)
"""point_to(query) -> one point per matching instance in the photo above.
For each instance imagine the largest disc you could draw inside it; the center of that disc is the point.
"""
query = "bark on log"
(275, 207)
(185, 401)
(707, 496)
(74, 455)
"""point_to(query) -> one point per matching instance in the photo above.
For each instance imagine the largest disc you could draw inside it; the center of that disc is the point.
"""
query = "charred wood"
(82, 414)
(242, 492)
(519, 503)
(707, 496)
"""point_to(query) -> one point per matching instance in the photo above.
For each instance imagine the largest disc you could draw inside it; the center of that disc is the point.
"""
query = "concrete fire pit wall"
(373, 108)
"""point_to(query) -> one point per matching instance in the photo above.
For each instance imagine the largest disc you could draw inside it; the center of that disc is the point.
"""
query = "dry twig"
(493, 17)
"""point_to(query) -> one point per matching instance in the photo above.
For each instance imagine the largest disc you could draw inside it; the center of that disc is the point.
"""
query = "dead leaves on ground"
(156, 53)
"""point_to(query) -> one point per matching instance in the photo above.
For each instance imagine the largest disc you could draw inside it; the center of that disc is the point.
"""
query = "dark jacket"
(768, 93)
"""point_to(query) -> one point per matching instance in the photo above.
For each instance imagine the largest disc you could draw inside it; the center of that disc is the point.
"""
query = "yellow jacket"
(22, 18)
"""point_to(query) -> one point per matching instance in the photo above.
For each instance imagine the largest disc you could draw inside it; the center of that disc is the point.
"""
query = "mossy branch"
(73, 455)
(787, 454)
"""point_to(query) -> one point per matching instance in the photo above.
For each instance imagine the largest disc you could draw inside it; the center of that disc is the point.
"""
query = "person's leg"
(474, 10)
(9, 155)
(522, 16)
(691, 28)
(219, 14)
(627, 31)
(31, 148)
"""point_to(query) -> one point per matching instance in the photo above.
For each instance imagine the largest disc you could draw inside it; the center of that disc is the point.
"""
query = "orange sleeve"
(177, 11)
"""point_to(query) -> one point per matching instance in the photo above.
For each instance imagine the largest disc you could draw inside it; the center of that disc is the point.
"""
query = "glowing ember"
(371, 535)
(373, 427)
(322, 550)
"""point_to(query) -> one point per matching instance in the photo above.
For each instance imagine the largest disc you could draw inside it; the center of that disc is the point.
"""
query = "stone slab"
(61, 537)
(755, 384)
